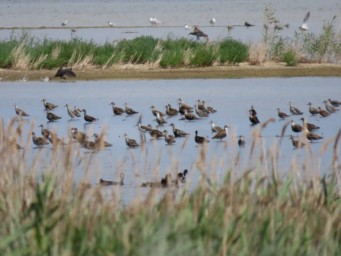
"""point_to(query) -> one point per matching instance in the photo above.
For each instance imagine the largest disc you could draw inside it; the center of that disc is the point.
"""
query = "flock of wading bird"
(189, 113)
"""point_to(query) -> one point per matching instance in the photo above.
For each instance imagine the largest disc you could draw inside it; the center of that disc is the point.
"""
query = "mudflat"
(131, 71)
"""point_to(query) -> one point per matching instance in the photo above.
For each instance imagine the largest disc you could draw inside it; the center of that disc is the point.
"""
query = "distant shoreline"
(131, 71)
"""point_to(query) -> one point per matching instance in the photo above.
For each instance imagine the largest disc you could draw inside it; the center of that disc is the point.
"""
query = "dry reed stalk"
(56, 52)
(257, 54)
(21, 60)
(38, 61)
(84, 62)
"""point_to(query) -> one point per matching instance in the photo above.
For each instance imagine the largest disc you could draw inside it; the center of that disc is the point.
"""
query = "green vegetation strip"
(29, 53)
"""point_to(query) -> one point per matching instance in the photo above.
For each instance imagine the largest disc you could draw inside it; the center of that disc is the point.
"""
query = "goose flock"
(165, 128)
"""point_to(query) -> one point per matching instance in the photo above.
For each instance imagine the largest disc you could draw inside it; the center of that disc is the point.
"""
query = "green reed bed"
(30, 53)
(250, 212)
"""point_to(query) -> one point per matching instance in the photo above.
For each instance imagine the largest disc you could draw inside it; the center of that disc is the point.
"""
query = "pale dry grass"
(257, 54)
(21, 60)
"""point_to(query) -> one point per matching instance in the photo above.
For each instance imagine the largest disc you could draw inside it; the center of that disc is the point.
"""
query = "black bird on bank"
(64, 72)
(248, 24)
(198, 33)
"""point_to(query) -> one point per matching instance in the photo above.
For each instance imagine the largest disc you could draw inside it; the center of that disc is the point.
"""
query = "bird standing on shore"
(248, 24)
(154, 21)
(198, 33)
(64, 72)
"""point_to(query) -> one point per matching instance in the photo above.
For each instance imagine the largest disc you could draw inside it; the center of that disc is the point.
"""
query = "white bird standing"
(212, 21)
(64, 23)
(111, 24)
(188, 27)
(154, 21)
(304, 25)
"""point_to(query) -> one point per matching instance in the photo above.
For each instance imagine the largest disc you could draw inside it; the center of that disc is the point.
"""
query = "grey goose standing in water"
(19, 111)
(294, 110)
(88, 118)
(48, 105)
(131, 143)
(178, 132)
(312, 110)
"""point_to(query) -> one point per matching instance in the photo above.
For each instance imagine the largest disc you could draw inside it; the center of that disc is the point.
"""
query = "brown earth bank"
(130, 71)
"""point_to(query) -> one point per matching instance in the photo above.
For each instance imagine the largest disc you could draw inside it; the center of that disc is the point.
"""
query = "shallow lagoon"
(231, 97)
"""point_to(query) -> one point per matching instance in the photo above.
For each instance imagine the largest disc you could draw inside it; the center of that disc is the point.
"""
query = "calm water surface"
(231, 97)
(174, 15)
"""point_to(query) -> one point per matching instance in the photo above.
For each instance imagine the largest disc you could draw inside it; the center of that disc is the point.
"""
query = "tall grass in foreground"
(249, 213)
